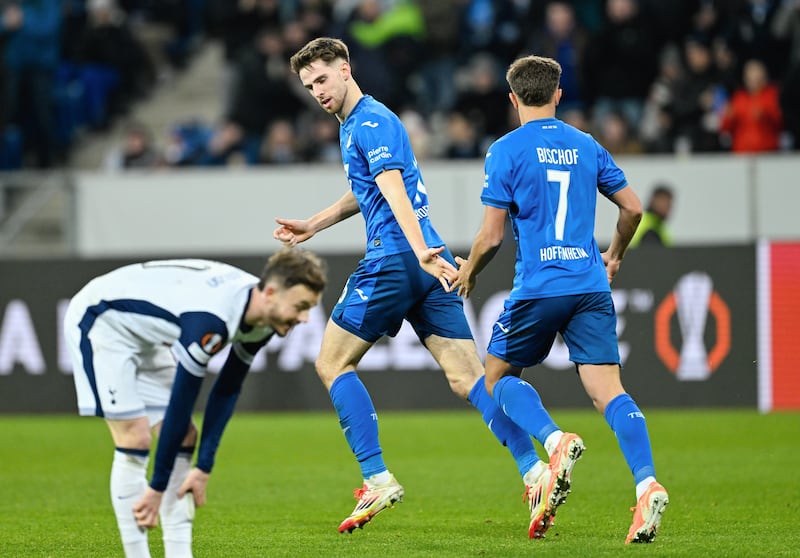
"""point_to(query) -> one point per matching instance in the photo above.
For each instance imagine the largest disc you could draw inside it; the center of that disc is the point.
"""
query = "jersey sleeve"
(496, 186)
(202, 336)
(379, 139)
(610, 178)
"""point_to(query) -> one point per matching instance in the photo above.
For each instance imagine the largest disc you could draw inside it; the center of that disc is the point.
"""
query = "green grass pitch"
(282, 484)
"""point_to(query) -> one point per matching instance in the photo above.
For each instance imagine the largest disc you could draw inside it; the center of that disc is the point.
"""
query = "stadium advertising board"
(779, 307)
(687, 328)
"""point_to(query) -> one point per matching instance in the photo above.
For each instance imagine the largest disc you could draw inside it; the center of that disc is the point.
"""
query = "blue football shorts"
(382, 292)
(526, 329)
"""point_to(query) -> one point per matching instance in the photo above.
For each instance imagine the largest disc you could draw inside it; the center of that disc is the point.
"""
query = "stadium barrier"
(694, 329)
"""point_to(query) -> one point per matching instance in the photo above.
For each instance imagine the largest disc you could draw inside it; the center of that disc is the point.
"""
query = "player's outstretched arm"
(630, 213)
(294, 231)
(484, 247)
(393, 189)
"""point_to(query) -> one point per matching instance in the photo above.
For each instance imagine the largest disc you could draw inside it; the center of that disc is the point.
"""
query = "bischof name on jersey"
(557, 156)
(550, 253)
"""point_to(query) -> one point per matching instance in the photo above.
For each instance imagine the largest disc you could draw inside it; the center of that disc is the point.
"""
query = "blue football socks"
(510, 435)
(520, 401)
(627, 422)
(359, 422)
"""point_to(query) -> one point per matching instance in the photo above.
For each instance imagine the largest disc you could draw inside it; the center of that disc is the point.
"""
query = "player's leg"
(459, 360)
(547, 486)
(177, 514)
(439, 321)
(155, 379)
(523, 336)
(339, 354)
(591, 338)
(105, 386)
(129, 480)
(373, 304)
(602, 383)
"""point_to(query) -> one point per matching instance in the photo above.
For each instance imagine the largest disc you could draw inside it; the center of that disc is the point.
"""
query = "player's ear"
(345, 70)
(557, 95)
(513, 99)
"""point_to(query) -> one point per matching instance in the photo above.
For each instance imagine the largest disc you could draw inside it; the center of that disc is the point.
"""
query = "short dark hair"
(326, 49)
(534, 79)
(294, 266)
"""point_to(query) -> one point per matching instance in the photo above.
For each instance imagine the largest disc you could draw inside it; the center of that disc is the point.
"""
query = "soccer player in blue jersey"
(140, 338)
(400, 277)
(545, 176)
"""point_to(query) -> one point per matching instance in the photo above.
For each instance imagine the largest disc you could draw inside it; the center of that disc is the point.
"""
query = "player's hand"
(612, 266)
(464, 281)
(195, 483)
(146, 509)
(292, 231)
(437, 266)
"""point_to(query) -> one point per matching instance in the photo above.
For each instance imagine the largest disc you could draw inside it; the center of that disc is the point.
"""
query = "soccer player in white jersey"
(140, 338)
(545, 176)
(400, 276)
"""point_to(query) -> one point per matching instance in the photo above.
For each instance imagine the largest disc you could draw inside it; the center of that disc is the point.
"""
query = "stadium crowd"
(643, 76)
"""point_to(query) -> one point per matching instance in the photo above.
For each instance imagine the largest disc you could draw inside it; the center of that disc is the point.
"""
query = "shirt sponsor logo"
(375, 155)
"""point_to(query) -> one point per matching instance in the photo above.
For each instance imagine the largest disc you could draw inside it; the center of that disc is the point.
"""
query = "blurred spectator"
(576, 117)
(698, 99)
(418, 133)
(462, 138)
(264, 90)
(726, 65)
(615, 134)
(656, 128)
(653, 229)
(751, 35)
(491, 26)
(753, 118)
(168, 29)
(385, 45)
(435, 90)
(138, 150)
(280, 144)
(621, 61)
(30, 30)
(562, 38)
(320, 138)
(236, 23)
(107, 41)
(190, 144)
(315, 16)
(483, 99)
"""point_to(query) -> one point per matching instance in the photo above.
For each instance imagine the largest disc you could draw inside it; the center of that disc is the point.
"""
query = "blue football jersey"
(373, 140)
(547, 175)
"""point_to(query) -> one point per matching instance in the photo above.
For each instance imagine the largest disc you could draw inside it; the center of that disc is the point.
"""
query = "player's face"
(282, 308)
(326, 83)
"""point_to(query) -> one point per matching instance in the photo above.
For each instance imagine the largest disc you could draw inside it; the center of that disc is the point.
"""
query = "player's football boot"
(371, 501)
(551, 488)
(562, 461)
(647, 514)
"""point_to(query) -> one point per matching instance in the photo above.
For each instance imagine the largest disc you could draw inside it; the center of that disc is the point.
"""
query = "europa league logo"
(693, 299)
(693, 292)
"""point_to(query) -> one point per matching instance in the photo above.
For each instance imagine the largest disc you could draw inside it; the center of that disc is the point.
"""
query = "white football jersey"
(193, 306)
